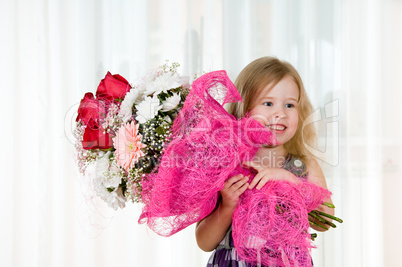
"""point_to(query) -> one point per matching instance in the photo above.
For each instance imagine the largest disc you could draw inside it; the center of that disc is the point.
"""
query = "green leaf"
(110, 190)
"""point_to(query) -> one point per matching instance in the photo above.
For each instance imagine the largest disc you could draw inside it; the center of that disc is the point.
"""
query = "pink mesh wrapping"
(270, 226)
(206, 147)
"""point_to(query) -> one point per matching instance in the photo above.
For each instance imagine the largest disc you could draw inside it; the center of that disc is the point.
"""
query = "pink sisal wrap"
(207, 146)
(270, 226)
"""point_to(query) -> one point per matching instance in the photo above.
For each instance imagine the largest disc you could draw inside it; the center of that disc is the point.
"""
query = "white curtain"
(348, 53)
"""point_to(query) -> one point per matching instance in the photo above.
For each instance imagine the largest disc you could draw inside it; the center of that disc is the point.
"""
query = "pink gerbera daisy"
(128, 146)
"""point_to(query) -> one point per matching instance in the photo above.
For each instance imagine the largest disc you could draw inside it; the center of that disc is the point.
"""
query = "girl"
(274, 95)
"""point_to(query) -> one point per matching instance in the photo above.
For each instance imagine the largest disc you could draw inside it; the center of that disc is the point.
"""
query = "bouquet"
(120, 132)
(207, 146)
(172, 149)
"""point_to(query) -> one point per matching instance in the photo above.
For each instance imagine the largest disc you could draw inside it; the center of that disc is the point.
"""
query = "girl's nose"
(279, 115)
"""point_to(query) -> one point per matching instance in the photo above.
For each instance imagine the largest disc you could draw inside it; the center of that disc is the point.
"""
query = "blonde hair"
(269, 71)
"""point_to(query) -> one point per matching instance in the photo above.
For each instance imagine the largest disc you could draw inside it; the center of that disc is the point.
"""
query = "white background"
(53, 51)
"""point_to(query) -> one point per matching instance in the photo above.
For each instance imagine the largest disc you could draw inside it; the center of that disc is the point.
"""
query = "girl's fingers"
(252, 164)
(239, 184)
(261, 183)
(241, 189)
(260, 177)
(255, 181)
(234, 187)
(229, 182)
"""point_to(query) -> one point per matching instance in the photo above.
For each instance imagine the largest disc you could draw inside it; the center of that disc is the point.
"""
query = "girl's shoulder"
(316, 175)
(314, 167)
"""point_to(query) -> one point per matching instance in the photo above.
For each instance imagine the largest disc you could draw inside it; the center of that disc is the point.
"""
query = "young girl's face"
(276, 109)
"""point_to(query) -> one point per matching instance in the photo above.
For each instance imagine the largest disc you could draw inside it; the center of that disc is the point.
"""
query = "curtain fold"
(347, 52)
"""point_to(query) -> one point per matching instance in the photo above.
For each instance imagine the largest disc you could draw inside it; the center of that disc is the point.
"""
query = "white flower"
(171, 102)
(163, 83)
(99, 188)
(107, 173)
(113, 180)
(147, 109)
(116, 199)
(127, 104)
(101, 153)
(105, 178)
(102, 166)
(147, 79)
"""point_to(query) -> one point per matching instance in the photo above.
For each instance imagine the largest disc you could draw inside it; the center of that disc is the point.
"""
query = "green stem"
(321, 219)
(313, 236)
(317, 224)
(329, 205)
(329, 216)
(279, 209)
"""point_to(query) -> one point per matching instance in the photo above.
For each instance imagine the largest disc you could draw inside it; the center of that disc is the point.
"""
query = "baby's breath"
(112, 121)
(170, 68)
(134, 185)
(84, 157)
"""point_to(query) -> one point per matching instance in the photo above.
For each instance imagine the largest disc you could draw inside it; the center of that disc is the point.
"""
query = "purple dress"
(225, 254)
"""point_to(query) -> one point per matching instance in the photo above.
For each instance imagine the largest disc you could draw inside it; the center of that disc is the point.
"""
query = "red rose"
(95, 138)
(92, 112)
(112, 88)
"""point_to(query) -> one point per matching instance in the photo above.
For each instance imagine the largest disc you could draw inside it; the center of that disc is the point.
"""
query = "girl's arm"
(212, 229)
(316, 176)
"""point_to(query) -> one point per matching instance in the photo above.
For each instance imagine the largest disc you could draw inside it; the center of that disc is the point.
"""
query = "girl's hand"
(212, 229)
(266, 174)
(233, 188)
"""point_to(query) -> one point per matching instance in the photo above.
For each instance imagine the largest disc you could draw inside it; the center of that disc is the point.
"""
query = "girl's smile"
(277, 128)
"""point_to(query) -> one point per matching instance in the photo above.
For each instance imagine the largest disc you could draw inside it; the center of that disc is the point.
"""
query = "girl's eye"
(289, 105)
(269, 104)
